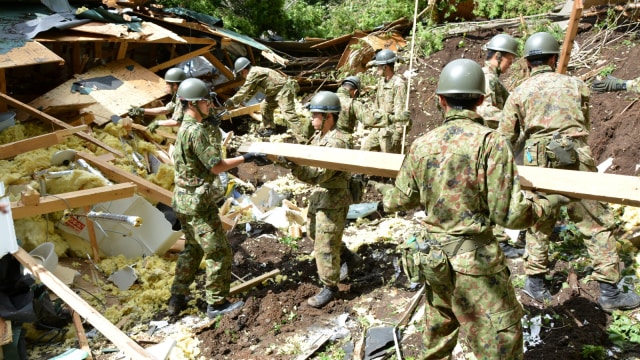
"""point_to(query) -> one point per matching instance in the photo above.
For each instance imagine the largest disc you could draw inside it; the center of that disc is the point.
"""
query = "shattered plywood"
(31, 53)
(131, 84)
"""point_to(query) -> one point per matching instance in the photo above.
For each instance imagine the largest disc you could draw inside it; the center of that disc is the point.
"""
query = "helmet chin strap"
(499, 58)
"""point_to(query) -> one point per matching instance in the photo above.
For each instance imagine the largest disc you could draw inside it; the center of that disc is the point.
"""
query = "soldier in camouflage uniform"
(613, 84)
(464, 176)
(197, 193)
(279, 90)
(329, 203)
(551, 111)
(352, 109)
(173, 78)
(501, 52)
(390, 117)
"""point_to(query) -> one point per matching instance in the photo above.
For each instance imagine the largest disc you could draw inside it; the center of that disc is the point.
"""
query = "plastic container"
(45, 254)
(7, 119)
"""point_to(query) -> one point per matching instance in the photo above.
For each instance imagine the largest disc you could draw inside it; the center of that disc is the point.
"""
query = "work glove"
(282, 161)
(609, 84)
(229, 103)
(135, 111)
(378, 186)
(556, 200)
(153, 126)
(259, 158)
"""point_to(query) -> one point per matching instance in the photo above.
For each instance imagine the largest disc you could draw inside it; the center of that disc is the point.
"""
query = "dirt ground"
(276, 311)
(265, 320)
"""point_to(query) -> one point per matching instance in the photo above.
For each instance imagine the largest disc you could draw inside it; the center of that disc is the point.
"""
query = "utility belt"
(424, 255)
(453, 245)
(557, 151)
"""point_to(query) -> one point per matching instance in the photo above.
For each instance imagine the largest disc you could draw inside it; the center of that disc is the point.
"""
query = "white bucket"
(45, 253)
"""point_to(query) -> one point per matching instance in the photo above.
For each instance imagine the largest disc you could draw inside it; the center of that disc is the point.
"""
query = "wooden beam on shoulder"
(112, 172)
(72, 200)
(611, 188)
(46, 117)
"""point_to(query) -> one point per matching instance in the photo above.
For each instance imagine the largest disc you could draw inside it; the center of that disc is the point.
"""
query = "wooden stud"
(110, 331)
(73, 199)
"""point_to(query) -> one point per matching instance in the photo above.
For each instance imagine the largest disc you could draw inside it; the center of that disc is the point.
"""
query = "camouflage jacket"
(197, 189)
(389, 102)
(262, 79)
(545, 103)
(175, 106)
(464, 176)
(495, 95)
(633, 85)
(332, 191)
(352, 111)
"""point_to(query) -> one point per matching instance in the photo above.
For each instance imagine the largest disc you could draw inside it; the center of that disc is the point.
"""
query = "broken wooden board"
(79, 305)
(247, 110)
(31, 53)
(145, 188)
(611, 188)
(46, 117)
(72, 200)
(37, 142)
(138, 87)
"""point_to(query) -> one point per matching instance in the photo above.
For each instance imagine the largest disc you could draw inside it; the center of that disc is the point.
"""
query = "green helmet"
(353, 80)
(241, 63)
(541, 43)
(193, 89)
(175, 75)
(461, 78)
(384, 57)
(325, 102)
(503, 43)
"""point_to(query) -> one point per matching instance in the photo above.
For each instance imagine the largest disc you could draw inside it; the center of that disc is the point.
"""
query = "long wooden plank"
(46, 117)
(79, 305)
(181, 58)
(611, 188)
(145, 188)
(570, 35)
(73, 199)
(247, 110)
(37, 142)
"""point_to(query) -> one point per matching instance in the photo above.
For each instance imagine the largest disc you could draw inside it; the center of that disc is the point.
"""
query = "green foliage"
(506, 9)
(607, 70)
(429, 39)
(623, 330)
(290, 242)
(593, 352)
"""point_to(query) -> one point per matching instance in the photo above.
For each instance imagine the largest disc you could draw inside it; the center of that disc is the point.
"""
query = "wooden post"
(82, 337)
(92, 237)
(572, 30)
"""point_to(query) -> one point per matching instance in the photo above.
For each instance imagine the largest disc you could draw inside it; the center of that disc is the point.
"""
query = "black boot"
(613, 298)
(323, 297)
(177, 303)
(221, 309)
(534, 287)
(350, 262)
(510, 251)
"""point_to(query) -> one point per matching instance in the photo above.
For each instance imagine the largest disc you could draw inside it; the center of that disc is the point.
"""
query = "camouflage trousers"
(326, 227)
(483, 307)
(285, 100)
(379, 139)
(204, 237)
(594, 222)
